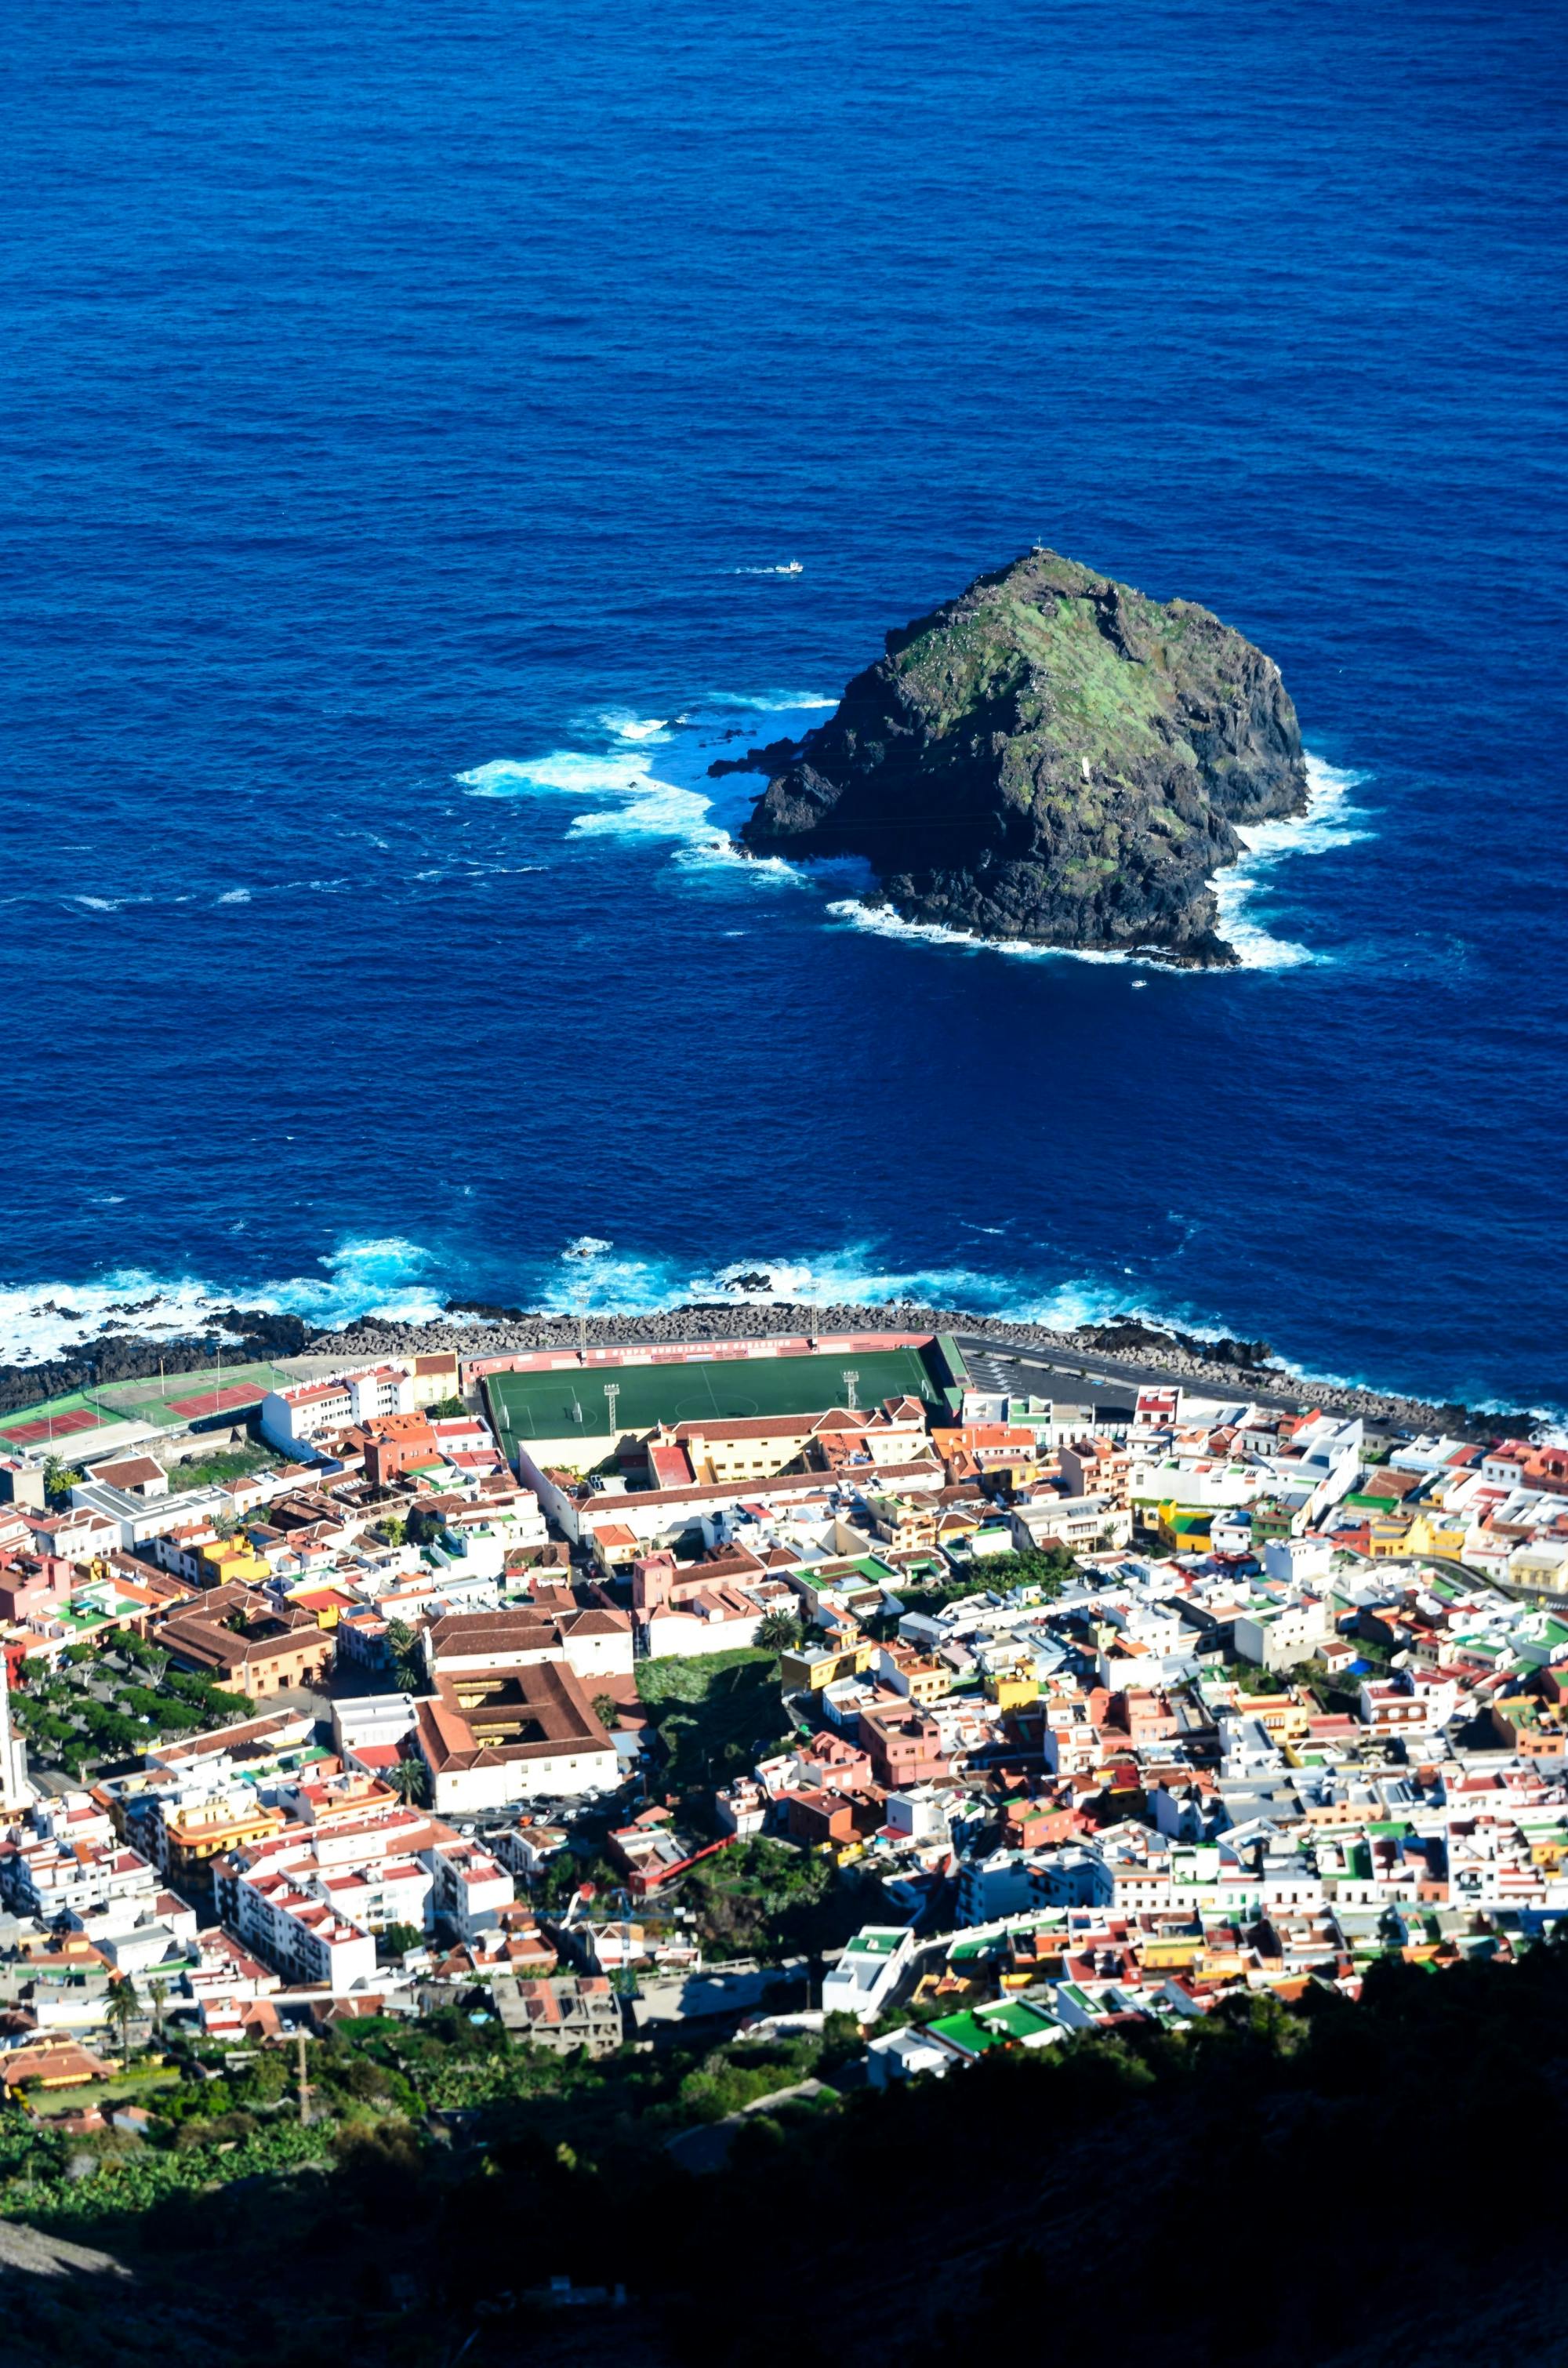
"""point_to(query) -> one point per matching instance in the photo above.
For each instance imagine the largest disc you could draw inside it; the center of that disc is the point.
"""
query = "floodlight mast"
(851, 1380)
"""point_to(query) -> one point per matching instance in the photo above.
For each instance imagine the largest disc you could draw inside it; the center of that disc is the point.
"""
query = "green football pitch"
(715, 1389)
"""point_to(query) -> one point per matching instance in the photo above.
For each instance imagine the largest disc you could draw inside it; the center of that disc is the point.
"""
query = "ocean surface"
(429, 436)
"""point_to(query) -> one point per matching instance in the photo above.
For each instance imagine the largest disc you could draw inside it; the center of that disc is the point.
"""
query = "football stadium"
(567, 1417)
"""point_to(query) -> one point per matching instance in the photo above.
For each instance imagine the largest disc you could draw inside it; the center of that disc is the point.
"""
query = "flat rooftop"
(715, 1389)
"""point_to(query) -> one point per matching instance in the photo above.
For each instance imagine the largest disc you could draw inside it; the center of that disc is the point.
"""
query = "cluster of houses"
(1278, 1699)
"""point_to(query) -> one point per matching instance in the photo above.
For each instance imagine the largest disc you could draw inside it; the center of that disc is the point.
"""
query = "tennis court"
(169, 1400)
(714, 1389)
(44, 1429)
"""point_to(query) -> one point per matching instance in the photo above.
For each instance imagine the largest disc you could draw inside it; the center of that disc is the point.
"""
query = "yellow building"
(1434, 1533)
(1176, 1954)
(233, 1561)
(1185, 1527)
(206, 1828)
(1010, 1689)
(811, 1668)
(1284, 1718)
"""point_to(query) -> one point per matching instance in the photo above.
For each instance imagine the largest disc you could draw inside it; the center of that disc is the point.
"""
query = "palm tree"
(60, 1477)
(403, 1647)
(158, 1991)
(410, 1780)
(780, 1632)
(123, 2008)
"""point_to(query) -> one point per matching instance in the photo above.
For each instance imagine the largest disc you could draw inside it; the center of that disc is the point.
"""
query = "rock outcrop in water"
(1051, 757)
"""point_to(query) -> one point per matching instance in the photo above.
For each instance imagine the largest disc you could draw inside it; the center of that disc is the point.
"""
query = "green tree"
(393, 1530)
(780, 1632)
(59, 1478)
(398, 1939)
(606, 1710)
(410, 1780)
(124, 2005)
(407, 1669)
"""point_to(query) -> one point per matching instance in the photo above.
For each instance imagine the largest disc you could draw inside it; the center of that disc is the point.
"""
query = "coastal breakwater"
(1076, 1354)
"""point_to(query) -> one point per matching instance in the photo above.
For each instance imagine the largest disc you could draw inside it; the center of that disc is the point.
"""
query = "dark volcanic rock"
(1052, 756)
(771, 759)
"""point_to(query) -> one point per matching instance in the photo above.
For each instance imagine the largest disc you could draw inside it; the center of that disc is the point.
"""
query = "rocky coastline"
(241, 1334)
(1143, 1349)
(1126, 1350)
(1051, 757)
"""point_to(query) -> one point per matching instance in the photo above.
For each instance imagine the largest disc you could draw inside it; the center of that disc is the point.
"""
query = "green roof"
(1014, 2016)
(962, 2032)
(875, 1941)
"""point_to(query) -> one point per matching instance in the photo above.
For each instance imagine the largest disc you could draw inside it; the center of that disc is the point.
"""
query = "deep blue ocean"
(407, 414)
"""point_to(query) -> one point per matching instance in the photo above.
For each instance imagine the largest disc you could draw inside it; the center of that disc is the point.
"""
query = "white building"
(867, 1972)
(293, 1417)
(1072, 1521)
(1280, 1637)
(471, 1888)
(1301, 1562)
(302, 1936)
(905, 2053)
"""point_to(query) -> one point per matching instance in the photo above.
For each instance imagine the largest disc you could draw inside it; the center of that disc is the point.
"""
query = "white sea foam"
(610, 1281)
(881, 921)
(628, 726)
(716, 851)
(626, 798)
(48, 1320)
(368, 1276)
(235, 896)
(383, 1274)
(771, 702)
(654, 809)
(1330, 821)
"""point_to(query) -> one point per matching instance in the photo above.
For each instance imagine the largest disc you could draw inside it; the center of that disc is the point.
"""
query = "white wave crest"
(625, 797)
(881, 921)
(654, 809)
(770, 702)
(380, 1276)
(601, 1282)
(235, 896)
(628, 726)
(570, 771)
(1330, 821)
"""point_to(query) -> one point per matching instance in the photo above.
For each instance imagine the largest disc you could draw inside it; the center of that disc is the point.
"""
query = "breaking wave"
(373, 1276)
(653, 784)
(1330, 821)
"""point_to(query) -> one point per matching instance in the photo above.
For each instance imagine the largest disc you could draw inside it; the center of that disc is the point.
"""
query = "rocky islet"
(1052, 757)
